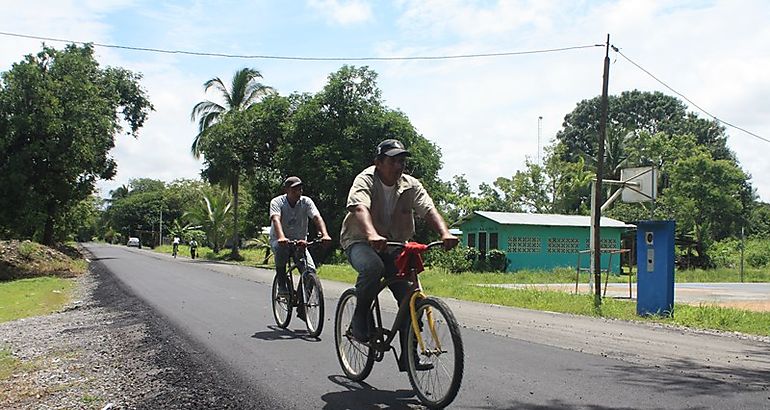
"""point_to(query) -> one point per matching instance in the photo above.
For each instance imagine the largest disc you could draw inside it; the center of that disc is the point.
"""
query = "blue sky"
(482, 113)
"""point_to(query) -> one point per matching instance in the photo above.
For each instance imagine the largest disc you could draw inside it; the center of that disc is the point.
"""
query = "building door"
(483, 244)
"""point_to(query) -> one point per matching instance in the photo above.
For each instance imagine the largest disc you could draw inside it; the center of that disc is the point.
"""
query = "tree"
(636, 112)
(758, 223)
(332, 135)
(708, 198)
(244, 92)
(59, 114)
(213, 215)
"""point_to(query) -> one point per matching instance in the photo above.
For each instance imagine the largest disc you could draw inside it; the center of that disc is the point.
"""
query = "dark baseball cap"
(291, 182)
(391, 148)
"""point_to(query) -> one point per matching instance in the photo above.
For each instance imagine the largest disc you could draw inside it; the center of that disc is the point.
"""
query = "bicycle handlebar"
(307, 243)
(401, 244)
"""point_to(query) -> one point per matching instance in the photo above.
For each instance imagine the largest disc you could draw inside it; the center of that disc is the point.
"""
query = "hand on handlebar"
(283, 241)
(450, 241)
(377, 242)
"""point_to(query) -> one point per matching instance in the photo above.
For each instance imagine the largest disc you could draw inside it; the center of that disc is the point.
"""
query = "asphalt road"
(515, 358)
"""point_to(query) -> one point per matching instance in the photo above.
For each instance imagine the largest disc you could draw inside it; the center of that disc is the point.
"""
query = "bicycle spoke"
(438, 384)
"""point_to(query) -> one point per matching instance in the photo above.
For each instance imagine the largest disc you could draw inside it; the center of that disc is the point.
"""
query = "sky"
(488, 115)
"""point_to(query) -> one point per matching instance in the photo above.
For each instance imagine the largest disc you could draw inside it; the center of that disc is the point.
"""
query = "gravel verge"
(106, 350)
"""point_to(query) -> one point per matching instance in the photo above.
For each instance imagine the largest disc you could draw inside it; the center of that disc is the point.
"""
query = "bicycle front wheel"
(282, 305)
(436, 371)
(356, 359)
(314, 305)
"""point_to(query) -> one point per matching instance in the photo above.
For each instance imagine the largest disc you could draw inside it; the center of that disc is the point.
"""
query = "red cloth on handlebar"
(410, 258)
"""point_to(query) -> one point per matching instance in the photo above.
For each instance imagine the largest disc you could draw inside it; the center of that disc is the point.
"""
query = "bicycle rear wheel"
(437, 386)
(356, 359)
(314, 304)
(282, 304)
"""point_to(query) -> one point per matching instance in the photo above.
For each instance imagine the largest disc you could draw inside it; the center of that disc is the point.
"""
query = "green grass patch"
(470, 286)
(33, 297)
(8, 364)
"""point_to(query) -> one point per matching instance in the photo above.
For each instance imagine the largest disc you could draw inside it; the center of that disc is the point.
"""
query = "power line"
(300, 58)
(617, 50)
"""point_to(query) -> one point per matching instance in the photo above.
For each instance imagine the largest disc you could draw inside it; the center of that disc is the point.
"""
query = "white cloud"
(343, 12)
(482, 113)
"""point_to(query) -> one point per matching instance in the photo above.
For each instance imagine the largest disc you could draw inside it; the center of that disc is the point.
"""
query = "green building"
(542, 241)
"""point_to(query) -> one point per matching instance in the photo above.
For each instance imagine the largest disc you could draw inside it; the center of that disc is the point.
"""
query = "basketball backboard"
(643, 185)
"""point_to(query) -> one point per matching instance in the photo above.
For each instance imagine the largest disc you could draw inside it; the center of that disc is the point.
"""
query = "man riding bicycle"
(381, 206)
(289, 214)
(175, 245)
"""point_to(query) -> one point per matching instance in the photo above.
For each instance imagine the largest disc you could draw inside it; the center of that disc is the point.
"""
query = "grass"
(8, 363)
(465, 286)
(33, 297)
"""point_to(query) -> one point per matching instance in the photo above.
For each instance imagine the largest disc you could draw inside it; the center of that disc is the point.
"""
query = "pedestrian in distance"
(193, 248)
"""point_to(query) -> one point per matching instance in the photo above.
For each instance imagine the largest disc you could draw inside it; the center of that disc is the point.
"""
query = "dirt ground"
(753, 305)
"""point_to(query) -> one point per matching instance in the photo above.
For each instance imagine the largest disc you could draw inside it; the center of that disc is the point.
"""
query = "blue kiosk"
(655, 268)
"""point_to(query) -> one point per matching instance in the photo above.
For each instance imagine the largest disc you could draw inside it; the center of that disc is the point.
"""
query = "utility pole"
(539, 130)
(743, 246)
(160, 228)
(597, 194)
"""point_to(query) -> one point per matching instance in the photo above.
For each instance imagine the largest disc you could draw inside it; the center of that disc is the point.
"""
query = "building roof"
(512, 218)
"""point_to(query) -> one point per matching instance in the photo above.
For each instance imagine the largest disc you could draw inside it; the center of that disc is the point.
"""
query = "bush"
(727, 253)
(757, 253)
(498, 260)
(455, 260)
(462, 259)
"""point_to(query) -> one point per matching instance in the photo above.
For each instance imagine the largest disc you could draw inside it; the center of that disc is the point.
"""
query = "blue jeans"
(281, 255)
(371, 267)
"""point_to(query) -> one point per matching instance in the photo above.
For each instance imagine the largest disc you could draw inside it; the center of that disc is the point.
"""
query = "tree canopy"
(59, 115)
(331, 136)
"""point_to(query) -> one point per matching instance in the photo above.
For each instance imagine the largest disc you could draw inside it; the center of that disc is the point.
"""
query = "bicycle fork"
(431, 325)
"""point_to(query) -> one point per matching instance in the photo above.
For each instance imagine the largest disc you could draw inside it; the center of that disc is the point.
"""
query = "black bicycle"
(307, 297)
(435, 359)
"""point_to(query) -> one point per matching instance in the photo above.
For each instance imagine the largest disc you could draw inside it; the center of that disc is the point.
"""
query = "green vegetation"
(59, 115)
(8, 363)
(33, 297)
(469, 286)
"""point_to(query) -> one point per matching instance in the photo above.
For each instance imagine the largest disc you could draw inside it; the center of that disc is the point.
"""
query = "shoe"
(358, 330)
(419, 365)
(301, 313)
(283, 290)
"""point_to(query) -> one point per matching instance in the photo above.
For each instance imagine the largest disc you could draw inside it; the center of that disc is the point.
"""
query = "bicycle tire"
(356, 359)
(282, 305)
(314, 304)
(438, 386)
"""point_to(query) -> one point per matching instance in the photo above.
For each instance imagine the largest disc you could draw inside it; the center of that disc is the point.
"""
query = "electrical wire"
(300, 58)
(617, 50)
(409, 58)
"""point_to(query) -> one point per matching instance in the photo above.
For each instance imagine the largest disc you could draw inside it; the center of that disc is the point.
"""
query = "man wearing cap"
(381, 206)
(289, 214)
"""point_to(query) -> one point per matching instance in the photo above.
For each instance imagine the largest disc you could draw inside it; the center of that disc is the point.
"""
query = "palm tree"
(244, 92)
(120, 192)
(212, 214)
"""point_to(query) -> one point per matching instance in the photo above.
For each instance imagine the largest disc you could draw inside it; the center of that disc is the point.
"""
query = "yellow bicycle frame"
(431, 324)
